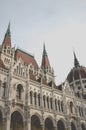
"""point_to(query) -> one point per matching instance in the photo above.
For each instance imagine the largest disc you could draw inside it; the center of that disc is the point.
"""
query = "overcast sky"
(61, 24)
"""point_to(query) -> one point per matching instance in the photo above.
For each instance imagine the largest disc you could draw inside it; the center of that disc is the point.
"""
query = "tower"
(6, 50)
(46, 67)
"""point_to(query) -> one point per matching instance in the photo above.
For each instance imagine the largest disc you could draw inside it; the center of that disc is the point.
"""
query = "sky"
(61, 24)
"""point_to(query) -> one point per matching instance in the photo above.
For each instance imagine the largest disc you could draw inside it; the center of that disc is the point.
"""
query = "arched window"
(60, 125)
(81, 111)
(59, 104)
(38, 99)
(19, 68)
(19, 91)
(35, 101)
(35, 123)
(48, 102)
(71, 107)
(83, 127)
(73, 127)
(48, 124)
(4, 89)
(44, 101)
(51, 103)
(16, 121)
(62, 106)
(56, 104)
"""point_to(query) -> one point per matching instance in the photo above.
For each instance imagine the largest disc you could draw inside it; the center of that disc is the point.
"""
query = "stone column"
(27, 125)
(37, 100)
(6, 124)
(55, 128)
(42, 126)
(45, 102)
(27, 122)
(32, 99)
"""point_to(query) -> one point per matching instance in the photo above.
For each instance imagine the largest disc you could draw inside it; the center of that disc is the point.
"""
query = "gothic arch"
(19, 110)
(49, 123)
(17, 122)
(51, 118)
(38, 115)
(61, 124)
(21, 83)
(73, 125)
(83, 126)
(36, 122)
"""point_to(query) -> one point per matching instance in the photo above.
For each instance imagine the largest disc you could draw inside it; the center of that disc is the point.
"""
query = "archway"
(35, 123)
(73, 127)
(83, 127)
(60, 125)
(16, 121)
(49, 124)
(1, 121)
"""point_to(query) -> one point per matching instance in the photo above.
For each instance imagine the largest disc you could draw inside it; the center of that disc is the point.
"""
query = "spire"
(7, 38)
(44, 51)
(45, 60)
(76, 62)
(8, 31)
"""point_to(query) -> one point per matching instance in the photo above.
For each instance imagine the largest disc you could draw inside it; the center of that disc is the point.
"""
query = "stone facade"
(30, 98)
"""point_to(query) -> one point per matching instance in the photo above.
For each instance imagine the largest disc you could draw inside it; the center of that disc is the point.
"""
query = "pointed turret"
(76, 62)
(7, 52)
(7, 38)
(45, 60)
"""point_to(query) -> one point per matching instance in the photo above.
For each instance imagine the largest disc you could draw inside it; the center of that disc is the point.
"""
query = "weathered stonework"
(30, 98)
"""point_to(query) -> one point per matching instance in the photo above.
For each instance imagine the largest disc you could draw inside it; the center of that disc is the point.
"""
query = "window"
(51, 103)
(85, 86)
(19, 91)
(38, 99)
(55, 104)
(44, 100)
(71, 107)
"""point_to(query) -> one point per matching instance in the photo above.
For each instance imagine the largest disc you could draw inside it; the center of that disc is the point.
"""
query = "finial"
(44, 50)
(8, 31)
(76, 62)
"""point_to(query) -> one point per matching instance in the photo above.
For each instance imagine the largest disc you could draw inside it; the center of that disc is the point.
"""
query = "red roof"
(7, 42)
(45, 62)
(27, 58)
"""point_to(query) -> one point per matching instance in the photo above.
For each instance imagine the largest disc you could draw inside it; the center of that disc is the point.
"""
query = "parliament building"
(29, 96)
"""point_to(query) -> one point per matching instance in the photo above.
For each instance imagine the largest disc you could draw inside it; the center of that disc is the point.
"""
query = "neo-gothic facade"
(30, 98)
